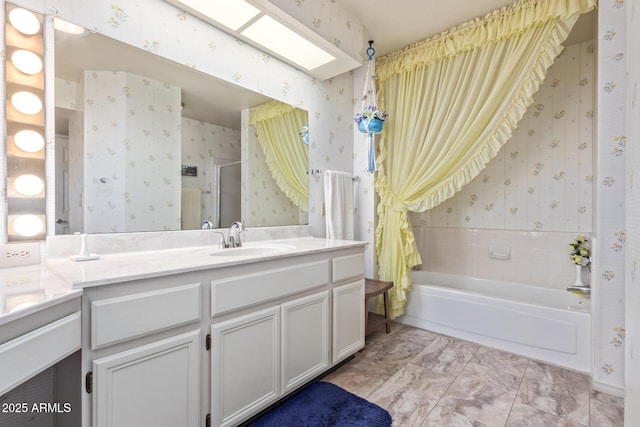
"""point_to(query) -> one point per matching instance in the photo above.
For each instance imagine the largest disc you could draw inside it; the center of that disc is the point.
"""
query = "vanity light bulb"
(29, 141)
(28, 225)
(28, 185)
(24, 21)
(26, 61)
(26, 102)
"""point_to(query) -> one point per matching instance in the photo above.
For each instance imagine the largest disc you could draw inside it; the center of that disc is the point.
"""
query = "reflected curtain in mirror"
(455, 100)
(278, 127)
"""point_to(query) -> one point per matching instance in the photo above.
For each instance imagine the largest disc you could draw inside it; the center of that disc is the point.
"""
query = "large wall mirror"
(147, 144)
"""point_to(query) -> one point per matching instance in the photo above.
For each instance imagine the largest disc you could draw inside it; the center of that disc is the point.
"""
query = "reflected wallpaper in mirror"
(142, 143)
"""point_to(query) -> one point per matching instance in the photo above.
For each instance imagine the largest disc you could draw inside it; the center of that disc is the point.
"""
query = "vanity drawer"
(31, 353)
(250, 289)
(349, 267)
(120, 319)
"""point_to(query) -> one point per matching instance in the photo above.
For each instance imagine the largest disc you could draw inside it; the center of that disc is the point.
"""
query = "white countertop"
(119, 267)
(26, 290)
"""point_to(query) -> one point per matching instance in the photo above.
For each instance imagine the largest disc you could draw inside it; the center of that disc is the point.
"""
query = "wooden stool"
(374, 321)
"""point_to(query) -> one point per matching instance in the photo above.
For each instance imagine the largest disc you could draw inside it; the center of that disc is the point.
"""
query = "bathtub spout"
(582, 290)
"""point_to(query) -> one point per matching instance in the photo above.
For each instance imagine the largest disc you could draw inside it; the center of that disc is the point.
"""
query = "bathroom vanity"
(206, 336)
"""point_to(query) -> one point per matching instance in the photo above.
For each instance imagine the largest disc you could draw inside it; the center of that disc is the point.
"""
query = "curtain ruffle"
(290, 178)
(268, 111)
(504, 129)
(495, 26)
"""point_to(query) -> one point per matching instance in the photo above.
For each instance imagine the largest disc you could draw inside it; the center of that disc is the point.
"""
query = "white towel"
(191, 208)
(338, 203)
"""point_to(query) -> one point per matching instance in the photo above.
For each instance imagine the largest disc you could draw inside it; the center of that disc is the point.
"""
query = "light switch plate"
(19, 254)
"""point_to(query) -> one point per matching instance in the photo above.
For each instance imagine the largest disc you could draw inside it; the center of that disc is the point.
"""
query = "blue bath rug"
(323, 404)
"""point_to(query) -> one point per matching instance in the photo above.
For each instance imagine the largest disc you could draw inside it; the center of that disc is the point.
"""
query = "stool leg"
(386, 312)
(366, 314)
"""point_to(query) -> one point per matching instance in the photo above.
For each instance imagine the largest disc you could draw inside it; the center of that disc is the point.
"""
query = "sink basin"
(250, 251)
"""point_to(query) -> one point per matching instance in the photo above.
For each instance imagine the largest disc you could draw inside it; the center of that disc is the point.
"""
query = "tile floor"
(425, 379)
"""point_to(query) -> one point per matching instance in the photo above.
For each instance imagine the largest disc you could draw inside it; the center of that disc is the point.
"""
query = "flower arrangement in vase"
(370, 120)
(580, 256)
(580, 253)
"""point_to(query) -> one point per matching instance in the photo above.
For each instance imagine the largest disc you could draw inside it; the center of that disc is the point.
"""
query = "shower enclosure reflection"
(227, 194)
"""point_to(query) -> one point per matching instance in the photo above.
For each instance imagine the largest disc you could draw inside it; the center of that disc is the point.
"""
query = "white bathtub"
(545, 324)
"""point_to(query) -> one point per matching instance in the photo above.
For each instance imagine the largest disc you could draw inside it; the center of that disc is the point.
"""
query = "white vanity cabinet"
(245, 366)
(151, 385)
(275, 331)
(305, 339)
(144, 354)
(217, 344)
(347, 275)
(258, 357)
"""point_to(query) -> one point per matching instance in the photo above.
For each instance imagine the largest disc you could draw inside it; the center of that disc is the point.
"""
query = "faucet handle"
(207, 225)
(221, 244)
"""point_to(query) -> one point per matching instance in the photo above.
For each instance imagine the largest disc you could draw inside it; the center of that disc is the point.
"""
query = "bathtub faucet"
(583, 290)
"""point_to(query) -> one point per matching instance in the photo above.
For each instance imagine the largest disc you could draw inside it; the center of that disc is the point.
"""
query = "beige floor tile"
(606, 410)
(526, 416)
(411, 393)
(446, 355)
(430, 380)
(556, 391)
(482, 394)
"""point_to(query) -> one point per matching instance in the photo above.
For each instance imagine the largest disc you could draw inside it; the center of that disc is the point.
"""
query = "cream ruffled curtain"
(453, 102)
(278, 126)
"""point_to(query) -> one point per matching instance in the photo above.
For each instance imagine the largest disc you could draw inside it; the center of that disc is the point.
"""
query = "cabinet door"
(153, 385)
(348, 319)
(305, 339)
(245, 366)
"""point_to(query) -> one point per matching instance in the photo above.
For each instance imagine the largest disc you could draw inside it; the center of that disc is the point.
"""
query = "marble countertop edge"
(129, 266)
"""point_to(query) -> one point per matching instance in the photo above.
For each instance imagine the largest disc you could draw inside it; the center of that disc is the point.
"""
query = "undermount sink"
(249, 251)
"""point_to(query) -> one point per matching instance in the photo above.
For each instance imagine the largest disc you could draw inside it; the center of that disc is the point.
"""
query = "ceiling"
(396, 24)
(392, 25)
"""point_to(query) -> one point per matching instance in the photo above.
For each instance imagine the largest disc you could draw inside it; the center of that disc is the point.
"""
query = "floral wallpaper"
(203, 145)
(131, 152)
(632, 204)
(542, 179)
(609, 266)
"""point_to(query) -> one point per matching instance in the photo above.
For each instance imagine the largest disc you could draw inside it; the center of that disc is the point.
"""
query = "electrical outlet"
(19, 254)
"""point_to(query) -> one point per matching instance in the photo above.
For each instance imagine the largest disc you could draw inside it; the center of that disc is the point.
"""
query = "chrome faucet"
(207, 225)
(582, 290)
(234, 234)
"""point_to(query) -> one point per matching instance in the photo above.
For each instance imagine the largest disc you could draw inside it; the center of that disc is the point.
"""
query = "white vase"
(578, 276)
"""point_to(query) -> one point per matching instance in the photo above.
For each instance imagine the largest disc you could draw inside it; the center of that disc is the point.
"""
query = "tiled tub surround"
(545, 324)
(535, 258)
